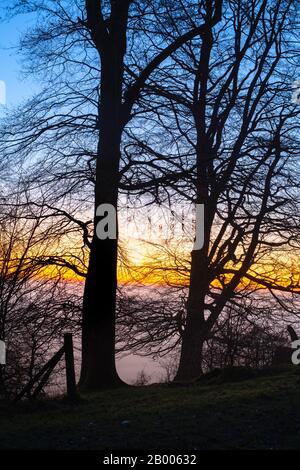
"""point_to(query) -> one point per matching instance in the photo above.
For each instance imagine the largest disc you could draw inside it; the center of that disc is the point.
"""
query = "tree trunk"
(2, 384)
(99, 303)
(98, 319)
(190, 365)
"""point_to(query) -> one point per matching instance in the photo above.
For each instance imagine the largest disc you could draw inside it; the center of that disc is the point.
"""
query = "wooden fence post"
(43, 374)
(70, 369)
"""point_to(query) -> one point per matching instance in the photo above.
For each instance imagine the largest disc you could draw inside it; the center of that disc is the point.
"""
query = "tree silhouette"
(96, 57)
(226, 111)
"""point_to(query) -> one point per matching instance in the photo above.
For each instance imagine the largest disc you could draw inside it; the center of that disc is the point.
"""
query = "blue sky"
(17, 88)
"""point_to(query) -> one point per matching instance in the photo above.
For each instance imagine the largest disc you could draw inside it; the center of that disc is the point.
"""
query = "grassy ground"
(223, 413)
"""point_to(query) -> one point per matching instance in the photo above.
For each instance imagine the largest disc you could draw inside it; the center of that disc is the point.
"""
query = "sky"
(20, 88)
(17, 88)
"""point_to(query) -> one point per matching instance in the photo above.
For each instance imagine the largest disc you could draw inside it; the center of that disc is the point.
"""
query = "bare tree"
(98, 56)
(36, 307)
(227, 119)
(152, 318)
(206, 118)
